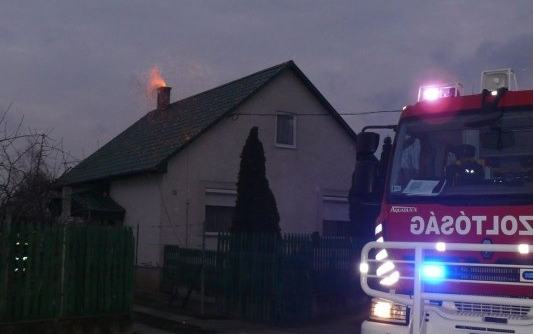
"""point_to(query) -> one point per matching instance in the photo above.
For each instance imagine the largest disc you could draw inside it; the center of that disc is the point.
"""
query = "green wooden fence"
(268, 279)
(49, 272)
(183, 268)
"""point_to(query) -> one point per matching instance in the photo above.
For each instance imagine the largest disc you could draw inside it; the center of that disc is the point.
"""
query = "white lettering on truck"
(399, 209)
(463, 225)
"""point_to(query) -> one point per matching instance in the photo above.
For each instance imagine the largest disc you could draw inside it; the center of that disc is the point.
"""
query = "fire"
(155, 80)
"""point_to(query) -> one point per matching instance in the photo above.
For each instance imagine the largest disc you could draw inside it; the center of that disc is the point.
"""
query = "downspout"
(187, 223)
(187, 199)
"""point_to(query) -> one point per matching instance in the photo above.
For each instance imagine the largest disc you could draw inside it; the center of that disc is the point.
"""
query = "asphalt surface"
(155, 317)
(347, 324)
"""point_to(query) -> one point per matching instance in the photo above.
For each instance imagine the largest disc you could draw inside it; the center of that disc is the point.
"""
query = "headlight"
(385, 311)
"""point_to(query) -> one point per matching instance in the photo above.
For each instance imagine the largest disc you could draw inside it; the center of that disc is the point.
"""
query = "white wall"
(321, 165)
(141, 199)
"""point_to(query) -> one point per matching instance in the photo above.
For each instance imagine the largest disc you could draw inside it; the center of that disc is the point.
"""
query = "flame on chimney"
(155, 80)
(156, 85)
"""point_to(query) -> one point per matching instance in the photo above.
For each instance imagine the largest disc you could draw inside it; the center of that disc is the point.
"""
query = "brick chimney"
(164, 97)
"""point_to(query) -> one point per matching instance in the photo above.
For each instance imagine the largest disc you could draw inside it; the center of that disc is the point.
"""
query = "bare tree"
(30, 161)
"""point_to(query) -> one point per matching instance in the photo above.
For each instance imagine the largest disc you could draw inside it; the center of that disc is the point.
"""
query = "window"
(336, 221)
(219, 209)
(471, 154)
(336, 228)
(286, 130)
(218, 218)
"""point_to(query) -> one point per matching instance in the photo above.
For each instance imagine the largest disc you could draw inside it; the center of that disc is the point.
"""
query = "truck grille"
(504, 310)
(489, 274)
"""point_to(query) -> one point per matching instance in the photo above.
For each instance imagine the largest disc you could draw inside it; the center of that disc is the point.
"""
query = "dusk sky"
(79, 68)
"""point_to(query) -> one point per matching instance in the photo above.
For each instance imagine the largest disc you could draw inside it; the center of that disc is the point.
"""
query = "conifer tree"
(255, 210)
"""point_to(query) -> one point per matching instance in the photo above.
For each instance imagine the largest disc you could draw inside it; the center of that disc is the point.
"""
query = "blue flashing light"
(433, 273)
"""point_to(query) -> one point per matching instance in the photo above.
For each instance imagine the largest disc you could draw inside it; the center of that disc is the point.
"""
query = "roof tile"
(147, 145)
(152, 140)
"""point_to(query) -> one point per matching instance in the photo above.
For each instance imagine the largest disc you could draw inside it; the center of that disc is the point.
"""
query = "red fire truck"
(453, 249)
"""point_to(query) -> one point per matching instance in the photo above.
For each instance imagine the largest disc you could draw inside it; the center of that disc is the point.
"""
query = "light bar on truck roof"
(434, 92)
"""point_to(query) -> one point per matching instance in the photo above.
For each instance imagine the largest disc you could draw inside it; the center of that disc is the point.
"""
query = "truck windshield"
(469, 153)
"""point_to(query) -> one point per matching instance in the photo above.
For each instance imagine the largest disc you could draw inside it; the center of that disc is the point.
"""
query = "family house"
(172, 175)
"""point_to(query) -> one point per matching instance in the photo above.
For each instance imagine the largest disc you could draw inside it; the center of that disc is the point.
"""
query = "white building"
(177, 167)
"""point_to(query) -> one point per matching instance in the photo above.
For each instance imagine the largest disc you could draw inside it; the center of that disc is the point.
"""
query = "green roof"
(147, 145)
(94, 202)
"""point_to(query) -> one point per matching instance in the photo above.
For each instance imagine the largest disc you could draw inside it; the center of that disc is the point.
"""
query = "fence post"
(202, 272)
(66, 203)
(62, 278)
(136, 244)
(4, 261)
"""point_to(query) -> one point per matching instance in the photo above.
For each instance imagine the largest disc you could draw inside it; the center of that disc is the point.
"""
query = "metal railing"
(406, 263)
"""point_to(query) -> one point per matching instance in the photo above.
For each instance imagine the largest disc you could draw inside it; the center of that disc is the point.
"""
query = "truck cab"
(453, 250)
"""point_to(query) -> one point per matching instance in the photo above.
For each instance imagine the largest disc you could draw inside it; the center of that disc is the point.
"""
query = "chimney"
(164, 97)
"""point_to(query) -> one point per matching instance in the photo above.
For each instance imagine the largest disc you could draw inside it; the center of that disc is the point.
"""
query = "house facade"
(174, 172)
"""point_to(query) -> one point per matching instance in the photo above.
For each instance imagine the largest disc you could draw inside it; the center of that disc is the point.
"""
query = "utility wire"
(369, 112)
(315, 114)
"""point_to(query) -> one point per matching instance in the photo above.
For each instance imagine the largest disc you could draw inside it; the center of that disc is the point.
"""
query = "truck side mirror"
(365, 182)
(367, 143)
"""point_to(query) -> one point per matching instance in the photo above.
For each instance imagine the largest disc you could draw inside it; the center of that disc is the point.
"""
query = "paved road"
(346, 324)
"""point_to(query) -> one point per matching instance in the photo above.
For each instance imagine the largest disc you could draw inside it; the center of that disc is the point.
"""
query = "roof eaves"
(61, 182)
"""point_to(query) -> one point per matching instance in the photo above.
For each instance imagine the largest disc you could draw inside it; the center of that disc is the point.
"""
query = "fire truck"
(453, 249)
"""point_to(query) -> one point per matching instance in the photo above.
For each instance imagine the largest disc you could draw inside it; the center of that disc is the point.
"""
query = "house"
(172, 175)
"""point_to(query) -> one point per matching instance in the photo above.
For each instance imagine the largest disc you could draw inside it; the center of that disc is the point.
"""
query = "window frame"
(293, 117)
(219, 197)
(220, 209)
(336, 228)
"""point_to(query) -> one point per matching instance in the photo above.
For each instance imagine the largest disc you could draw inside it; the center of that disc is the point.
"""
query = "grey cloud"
(515, 53)
(85, 61)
